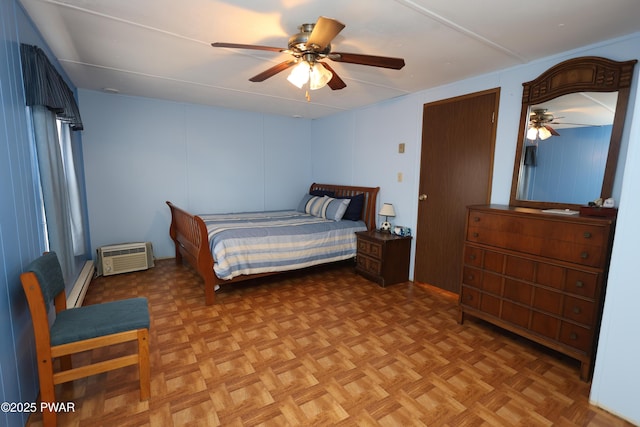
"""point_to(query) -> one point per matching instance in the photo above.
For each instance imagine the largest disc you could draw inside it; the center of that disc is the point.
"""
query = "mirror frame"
(584, 74)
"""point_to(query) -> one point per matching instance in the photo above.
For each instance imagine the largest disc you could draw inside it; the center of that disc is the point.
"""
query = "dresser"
(539, 275)
(383, 257)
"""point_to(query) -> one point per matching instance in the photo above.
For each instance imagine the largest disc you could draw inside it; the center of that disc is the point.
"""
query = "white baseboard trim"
(76, 296)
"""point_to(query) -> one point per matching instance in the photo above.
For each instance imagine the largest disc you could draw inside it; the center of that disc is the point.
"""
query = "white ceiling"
(161, 48)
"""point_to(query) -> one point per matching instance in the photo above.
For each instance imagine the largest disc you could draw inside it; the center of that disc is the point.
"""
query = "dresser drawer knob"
(469, 297)
(470, 277)
(577, 310)
(579, 284)
(584, 255)
(472, 257)
(476, 219)
(587, 234)
(573, 336)
(475, 234)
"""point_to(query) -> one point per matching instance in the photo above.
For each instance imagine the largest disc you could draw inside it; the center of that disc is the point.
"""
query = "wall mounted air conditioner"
(124, 258)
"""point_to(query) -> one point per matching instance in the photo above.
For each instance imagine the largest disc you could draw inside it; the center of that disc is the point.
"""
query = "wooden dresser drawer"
(472, 256)
(518, 291)
(519, 268)
(548, 300)
(576, 336)
(515, 314)
(472, 277)
(577, 243)
(579, 310)
(581, 283)
(556, 229)
(546, 325)
(470, 297)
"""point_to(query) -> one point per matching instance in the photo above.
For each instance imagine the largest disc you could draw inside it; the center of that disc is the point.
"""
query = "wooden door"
(458, 140)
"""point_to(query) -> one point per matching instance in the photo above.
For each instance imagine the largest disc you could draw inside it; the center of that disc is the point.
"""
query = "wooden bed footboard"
(190, 237)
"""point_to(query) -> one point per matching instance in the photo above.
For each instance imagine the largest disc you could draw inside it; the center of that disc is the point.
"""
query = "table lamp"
(386, 211)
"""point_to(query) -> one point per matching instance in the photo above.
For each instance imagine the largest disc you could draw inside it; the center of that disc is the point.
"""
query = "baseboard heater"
(76, 296)
(124, 258)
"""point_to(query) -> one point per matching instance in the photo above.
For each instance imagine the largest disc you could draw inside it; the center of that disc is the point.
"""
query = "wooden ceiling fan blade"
(552, 130)
(323, 32)
(372, 60)
(273, 71)
(247, 46)
(336, 83)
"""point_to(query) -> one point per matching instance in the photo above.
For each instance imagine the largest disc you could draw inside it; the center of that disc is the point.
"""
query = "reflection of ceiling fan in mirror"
(308, 48)
(539, 125)
(541, 119)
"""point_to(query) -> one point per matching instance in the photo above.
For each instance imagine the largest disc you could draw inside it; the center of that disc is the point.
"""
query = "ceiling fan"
(308, 48)
(539, 127)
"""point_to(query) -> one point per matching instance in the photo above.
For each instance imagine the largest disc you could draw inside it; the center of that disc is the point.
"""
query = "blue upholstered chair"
(80, 329)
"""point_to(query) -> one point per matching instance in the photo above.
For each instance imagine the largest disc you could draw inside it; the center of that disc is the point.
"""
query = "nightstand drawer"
(369, 264)
(372, 249)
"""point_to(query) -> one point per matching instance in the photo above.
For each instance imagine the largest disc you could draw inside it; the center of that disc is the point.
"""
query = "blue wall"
(21, 239)
(140, 152)
(19, 225)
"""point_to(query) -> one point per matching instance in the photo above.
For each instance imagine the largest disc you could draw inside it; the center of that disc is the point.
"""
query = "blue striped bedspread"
(261, 242)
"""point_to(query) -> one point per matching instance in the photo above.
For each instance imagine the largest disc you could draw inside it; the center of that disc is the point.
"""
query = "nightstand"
(383, 257)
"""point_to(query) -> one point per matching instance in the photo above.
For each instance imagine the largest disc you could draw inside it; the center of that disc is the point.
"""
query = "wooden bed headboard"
(370, 198)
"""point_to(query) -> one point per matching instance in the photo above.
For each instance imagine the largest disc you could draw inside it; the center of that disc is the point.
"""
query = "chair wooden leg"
(49, 418)
(47, 390)
(144, 370)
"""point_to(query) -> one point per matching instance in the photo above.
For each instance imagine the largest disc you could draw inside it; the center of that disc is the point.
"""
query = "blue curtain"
(50, 101)
(44, 86)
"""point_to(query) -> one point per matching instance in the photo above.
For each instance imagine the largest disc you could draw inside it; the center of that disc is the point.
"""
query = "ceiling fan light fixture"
(543, 133)
(299, 76)
(532, 133)
(319, 76)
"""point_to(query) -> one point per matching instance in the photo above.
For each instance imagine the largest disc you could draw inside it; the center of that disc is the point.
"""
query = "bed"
(198, 237)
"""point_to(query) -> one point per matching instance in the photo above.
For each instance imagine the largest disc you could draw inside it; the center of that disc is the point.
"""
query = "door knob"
(422, 197)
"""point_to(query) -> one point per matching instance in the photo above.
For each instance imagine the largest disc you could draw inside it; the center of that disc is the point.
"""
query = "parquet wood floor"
(323, 347)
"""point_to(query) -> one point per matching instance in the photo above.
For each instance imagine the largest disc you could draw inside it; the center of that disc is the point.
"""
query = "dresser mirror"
(570, 130)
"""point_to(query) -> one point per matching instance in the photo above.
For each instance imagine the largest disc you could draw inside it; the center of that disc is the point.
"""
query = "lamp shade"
(387, 210)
